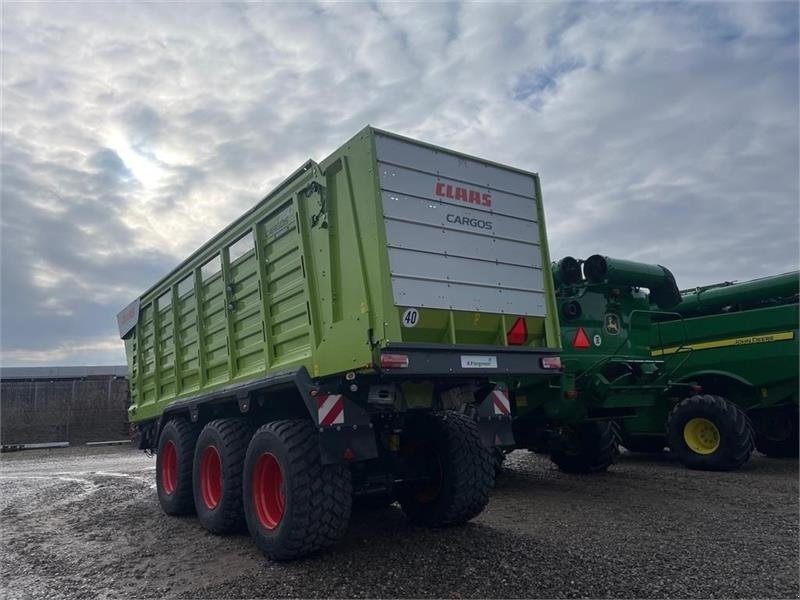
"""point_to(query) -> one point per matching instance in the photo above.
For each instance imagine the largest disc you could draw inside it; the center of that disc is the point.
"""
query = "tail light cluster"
(551, 363)
(394, 361)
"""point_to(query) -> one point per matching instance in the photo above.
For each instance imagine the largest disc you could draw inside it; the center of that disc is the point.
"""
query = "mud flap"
(345, 430)
(493, 417)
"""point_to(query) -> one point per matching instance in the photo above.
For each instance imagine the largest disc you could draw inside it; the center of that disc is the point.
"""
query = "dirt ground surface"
(86, 523)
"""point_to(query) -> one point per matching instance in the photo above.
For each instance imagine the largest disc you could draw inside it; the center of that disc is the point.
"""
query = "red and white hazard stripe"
(330, 409)
(502, 406)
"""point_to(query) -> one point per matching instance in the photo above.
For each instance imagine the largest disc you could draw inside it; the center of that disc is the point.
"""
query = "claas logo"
(456, 192)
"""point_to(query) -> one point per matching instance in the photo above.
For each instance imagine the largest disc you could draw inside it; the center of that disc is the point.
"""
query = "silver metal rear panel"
(461, 234)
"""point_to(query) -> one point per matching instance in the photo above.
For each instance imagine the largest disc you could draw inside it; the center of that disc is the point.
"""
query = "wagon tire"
(217, 476)
(174, 461)
(586, 448)
(710, 433)
(293, 504)
(462, 469)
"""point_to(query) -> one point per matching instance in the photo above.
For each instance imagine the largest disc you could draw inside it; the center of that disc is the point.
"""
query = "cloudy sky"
(663, 132)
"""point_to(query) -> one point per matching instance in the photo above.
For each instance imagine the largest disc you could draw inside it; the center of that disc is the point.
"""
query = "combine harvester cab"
(737, 341)
(354, 335)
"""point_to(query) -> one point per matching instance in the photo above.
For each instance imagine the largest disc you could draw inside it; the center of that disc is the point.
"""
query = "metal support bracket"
(345, 430)
(493, 417)
(244, 402)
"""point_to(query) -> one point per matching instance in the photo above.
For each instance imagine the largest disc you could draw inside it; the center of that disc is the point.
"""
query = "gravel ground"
(86, 523)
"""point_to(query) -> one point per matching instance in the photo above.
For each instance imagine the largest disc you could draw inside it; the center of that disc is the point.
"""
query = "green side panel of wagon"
(335, 264)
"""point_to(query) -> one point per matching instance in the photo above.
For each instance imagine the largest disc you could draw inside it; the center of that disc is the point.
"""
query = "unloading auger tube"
(777, 289)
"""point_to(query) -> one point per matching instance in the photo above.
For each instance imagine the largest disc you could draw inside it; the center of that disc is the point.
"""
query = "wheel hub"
(269, 494)
(211, 477)
(701, 435)
(169, 468)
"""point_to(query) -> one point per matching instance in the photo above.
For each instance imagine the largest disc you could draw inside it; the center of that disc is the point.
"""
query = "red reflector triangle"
(518, 334)
(581, 340)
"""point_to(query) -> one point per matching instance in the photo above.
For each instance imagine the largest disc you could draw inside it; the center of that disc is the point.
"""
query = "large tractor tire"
(589, 447)
(709, 433)
(218, 461)
(458, 471)
(777, 436)
(174, 467)
(293, 504)
(645, 445)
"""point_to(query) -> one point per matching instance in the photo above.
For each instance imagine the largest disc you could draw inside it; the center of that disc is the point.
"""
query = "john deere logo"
(612, 326)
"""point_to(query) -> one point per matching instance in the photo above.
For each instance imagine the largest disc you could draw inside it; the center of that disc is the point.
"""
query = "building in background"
(63, 404)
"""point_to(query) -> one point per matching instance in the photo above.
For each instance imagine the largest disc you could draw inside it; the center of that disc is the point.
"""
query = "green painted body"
(737, 341)
(615, 376)
(742, 344)
(302, 279)
(758, 293)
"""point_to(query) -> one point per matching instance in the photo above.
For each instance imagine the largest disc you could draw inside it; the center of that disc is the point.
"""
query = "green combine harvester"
(608, 370)
(697, 371)
(351, 337)
(738, 341)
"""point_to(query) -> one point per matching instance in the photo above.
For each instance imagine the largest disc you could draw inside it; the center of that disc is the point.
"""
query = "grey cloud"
(663, 132)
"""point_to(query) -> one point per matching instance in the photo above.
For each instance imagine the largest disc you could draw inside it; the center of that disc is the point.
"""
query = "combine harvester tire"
(710, 433)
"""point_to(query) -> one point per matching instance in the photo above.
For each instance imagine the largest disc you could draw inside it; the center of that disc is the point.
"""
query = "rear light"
(551, 362)
(518, 334)
(571, 394)
(581, 340)
(394, 361)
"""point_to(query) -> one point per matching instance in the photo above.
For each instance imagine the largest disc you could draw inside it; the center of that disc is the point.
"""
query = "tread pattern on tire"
(472, 474)
(738, 440)
(235, 435)
(322, 494)
(182, 502)
(598, 447)
(475, 468)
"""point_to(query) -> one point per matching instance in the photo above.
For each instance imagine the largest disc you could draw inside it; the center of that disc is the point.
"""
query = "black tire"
(589, 447)
(315, 507)
(221, 447)
(777, 436)
(447, 448)
(174, 462)
(734, 436)
(646, 445)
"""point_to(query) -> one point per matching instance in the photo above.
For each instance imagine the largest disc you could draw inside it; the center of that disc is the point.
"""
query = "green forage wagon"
(351, 337)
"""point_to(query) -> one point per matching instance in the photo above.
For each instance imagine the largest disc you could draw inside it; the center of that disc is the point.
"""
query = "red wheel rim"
(269, 496)
(211, 477)
(169, 467)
